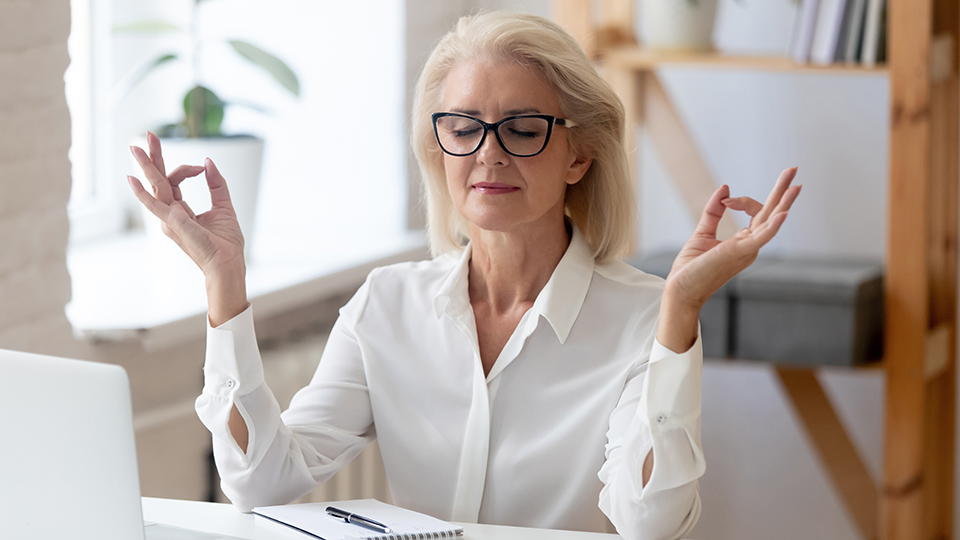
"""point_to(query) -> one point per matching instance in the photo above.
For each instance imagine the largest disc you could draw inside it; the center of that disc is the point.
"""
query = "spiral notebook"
(312, 519)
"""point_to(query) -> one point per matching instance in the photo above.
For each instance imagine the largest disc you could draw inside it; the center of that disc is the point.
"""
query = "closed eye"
(465, 132)
(524, 134)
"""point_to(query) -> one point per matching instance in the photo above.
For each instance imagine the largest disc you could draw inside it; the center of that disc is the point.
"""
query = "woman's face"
(492, 189)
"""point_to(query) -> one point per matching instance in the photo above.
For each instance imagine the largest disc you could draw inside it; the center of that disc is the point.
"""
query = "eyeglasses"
(521, 136)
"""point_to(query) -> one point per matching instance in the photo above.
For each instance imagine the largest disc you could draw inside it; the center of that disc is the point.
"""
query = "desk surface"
(224, 519)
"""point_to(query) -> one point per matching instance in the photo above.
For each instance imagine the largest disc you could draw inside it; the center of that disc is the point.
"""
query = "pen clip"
(338, 514)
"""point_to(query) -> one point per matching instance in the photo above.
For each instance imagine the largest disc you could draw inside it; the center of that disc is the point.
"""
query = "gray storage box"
(817, 312)
(715, 315)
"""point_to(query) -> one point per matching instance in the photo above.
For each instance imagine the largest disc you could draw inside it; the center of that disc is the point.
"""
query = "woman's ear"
(578, 167)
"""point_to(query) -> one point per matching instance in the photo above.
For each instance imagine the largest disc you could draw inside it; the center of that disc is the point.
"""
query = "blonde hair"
(602, 203)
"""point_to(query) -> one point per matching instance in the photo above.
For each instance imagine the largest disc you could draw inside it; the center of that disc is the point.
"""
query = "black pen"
(357, 519)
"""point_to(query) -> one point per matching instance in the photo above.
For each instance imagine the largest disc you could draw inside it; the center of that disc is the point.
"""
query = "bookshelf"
(915, 497)
(637, 59)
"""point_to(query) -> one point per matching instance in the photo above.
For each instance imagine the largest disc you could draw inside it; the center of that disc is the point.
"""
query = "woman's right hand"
(213, 239)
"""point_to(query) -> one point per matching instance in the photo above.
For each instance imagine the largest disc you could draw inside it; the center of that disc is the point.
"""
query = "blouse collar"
(559, 302)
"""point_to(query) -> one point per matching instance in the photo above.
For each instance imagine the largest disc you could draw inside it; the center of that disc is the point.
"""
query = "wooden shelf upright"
(915, 497)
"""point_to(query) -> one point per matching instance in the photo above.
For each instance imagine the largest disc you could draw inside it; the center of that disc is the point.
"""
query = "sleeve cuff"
(232, 366)
(672, 397)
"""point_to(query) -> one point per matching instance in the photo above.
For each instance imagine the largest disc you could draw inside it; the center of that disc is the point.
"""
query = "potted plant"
(198, 134)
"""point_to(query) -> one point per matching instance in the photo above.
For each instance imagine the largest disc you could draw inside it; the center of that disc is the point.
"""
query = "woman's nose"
(490, 152)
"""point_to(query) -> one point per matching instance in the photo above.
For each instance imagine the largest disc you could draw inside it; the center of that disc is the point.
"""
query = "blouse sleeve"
(328, 423)
(658, 411)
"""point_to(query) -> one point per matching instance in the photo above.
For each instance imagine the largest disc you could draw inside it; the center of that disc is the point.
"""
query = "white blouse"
(554, 437)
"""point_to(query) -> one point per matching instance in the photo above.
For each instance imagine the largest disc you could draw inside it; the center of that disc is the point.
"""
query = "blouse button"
(229, 383)
(661, 419)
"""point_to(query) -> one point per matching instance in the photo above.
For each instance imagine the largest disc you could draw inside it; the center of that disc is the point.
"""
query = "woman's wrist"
(226, 295)
(678, 324)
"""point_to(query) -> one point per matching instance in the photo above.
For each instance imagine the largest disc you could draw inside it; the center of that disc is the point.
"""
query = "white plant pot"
(238, 159)
(677, 24)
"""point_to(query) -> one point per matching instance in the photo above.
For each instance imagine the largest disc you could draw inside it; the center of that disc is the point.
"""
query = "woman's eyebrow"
(525, 110)
(511, 112)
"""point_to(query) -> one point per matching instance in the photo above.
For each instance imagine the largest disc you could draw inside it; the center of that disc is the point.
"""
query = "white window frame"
(93, 209)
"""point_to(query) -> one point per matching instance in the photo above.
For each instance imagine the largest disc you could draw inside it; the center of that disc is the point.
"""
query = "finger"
(183, 172)
(188, 209)
(179, 175)
(712, 213)
(153, 143)
(765, 231)
(159, 182)
(743, 204)
(219, 195)
(787, 201)
(776, 194)
(155, 207)
(788, 198)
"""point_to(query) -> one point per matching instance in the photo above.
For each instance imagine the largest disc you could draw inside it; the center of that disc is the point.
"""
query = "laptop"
(68, 464)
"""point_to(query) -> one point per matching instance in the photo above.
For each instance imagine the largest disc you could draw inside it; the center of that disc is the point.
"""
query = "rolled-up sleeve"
(659, 411)
(287, 455)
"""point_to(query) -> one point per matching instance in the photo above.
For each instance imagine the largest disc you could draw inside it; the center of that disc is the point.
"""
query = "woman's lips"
(493, 188)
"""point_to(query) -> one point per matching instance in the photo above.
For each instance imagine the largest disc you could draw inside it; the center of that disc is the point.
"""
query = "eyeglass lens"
(520, 136)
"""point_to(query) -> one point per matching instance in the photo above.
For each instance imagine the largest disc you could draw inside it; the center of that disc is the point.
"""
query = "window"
(334, 157)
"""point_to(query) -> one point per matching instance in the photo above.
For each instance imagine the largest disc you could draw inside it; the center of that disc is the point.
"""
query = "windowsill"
(134, 287)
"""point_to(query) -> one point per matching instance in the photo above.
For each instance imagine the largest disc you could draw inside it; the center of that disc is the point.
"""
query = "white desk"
(224, 519)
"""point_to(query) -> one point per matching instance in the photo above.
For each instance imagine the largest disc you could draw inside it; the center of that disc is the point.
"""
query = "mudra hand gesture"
(705, 263)
(212, 239)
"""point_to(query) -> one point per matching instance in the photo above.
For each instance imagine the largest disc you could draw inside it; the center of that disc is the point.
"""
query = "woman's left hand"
(705, 263)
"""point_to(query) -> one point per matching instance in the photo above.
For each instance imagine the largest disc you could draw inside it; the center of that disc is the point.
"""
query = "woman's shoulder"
(406, 288)
(625, 276)
(413, 273)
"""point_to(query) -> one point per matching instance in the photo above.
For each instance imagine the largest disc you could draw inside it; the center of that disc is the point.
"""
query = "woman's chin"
(504, 222)
(493, 225)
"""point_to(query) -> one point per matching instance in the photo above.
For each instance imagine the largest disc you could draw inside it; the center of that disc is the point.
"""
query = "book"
(827, 33)
(312, 518)
(871, 32)
(858, 14)
(803, 28)
(882, 39)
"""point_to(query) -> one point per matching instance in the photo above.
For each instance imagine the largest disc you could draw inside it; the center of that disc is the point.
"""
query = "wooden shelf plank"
(644, 59)
(837, 452)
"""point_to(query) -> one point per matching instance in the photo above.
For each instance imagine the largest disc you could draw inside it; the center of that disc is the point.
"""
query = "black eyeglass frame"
(495, 127)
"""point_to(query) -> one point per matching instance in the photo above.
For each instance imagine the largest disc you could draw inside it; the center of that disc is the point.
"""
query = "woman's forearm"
(678, 324)
(226, 295)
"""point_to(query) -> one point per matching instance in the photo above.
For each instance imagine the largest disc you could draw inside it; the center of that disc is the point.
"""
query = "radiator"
(289, 366)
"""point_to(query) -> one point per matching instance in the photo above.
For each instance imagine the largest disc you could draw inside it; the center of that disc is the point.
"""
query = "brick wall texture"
(34, 175)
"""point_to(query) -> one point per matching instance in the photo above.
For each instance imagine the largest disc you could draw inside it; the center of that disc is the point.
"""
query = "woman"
(523, 376)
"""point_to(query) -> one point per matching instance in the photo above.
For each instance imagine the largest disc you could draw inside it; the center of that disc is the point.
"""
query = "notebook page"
(312, 518)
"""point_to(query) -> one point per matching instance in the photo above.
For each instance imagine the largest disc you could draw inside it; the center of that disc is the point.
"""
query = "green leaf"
(203, 112)
(146, 27)
(273, 65)
(125, 86)
(150, 66)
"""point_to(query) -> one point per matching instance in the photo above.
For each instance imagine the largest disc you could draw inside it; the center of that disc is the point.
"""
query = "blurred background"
(337, 194)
